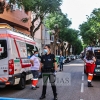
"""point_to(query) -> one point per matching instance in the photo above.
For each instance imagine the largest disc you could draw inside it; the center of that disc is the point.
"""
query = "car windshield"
(3, 49)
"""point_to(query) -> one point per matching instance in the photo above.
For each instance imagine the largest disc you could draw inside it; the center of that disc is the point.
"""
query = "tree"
(2, 6)
(94, 19)
(41, 8)
(77, 47)
(90, 30)
(86, 33)
(57, 22)
(72, 37)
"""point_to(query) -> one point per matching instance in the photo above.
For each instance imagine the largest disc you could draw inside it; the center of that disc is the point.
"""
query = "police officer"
(49, 67)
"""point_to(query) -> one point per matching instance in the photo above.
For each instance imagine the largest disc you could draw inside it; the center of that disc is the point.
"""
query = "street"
(78, 89)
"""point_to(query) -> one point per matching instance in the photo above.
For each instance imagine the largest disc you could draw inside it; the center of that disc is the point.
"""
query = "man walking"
(49, 65)
(61, 58)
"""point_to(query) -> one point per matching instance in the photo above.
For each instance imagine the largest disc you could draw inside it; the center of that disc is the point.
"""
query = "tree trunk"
(55, 41)
(65, 51)
(69, 46)
(37, 28)
(2, 6)
(62, 47)
(32, 28)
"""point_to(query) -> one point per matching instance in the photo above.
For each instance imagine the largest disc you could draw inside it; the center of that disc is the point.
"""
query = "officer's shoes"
(55, 98)
(42, 97)
(33, 88)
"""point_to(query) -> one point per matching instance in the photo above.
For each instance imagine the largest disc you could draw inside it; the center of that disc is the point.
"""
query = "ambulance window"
(30, 50)
(36, 48)
(97, 54)
(3, 49)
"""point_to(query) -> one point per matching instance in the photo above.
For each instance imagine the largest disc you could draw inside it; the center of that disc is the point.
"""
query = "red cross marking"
(1, 49)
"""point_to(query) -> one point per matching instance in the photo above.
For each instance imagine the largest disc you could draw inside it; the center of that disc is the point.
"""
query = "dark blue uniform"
(48, 68)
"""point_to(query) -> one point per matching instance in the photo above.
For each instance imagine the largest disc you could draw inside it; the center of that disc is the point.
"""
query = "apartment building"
(17, 18)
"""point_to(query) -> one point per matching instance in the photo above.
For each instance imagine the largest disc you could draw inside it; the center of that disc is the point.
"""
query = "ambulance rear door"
(4, 43)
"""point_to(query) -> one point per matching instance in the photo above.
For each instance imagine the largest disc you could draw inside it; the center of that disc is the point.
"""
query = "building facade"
(17, 18)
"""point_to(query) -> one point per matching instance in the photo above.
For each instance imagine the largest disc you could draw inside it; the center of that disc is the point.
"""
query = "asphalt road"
(76, 90)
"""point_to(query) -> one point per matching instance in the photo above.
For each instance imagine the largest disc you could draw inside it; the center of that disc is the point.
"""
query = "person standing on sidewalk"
(61, 58)
(35, 66)
(90, 66)
(49, 67)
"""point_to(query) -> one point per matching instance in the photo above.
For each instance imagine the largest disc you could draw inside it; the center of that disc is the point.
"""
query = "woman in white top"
(90, 65)
(35, 66)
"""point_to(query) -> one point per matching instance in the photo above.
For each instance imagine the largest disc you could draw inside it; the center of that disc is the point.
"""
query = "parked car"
(73, 57)
(68, 59)
(77, 56)
(64, 60)
(57, 59)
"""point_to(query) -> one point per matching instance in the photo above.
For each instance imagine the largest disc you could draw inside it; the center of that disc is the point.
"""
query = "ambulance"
(15, 51)
(96, 51)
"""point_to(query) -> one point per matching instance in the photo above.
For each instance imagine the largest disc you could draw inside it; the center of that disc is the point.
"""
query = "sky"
(78, 9)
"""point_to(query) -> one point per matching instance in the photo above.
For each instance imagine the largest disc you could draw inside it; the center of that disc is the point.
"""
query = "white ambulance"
(96, 51)
(15, 51)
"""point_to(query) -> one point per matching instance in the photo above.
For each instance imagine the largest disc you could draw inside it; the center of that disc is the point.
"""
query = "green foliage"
(90, 30)
(86, 33)
(95, 20)
(57, 18)
(65, 33)
(78, 47)
(72, 36)
(69, 35)
(40, 7)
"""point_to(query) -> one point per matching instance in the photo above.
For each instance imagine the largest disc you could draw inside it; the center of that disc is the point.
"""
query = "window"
(30, 50)
(36, 49)
(97, 54)
(3, 49)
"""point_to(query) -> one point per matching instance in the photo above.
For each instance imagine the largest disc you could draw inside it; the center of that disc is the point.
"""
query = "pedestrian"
(90, 60)
(49, 67)
(35, 66)
(61, 58)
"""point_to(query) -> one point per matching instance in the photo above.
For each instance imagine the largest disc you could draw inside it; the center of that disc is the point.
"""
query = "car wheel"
(22, 83)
